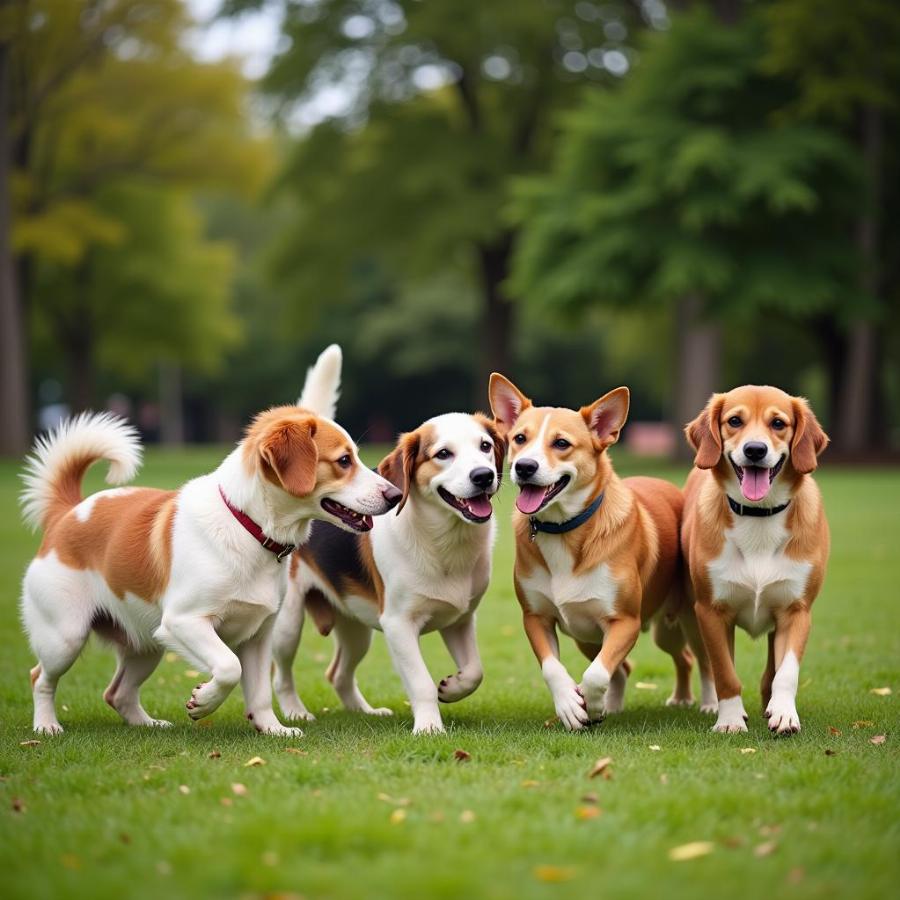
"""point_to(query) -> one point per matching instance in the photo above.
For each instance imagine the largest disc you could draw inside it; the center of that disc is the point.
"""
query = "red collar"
(280, 550)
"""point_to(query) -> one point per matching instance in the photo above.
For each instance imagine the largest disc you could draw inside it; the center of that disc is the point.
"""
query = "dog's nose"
(755, 450)
(482, 477)
(525, 468)
(391, 495)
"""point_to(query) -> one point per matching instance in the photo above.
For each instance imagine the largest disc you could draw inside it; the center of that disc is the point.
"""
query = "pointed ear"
(606, 416)
(500, 444)
(704, 434)
(809, 439)
(399, 466)
(507, 402)
(289, 450)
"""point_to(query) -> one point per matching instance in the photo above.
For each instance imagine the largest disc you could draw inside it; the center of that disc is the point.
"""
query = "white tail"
(56, 466)
(323, 383)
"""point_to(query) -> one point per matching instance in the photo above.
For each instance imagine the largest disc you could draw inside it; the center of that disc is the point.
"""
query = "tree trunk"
(698, 364)
(498, 319)
(858, 428)
(15, 432)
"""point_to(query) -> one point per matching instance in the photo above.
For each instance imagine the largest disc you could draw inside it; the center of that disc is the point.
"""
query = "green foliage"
(682, 182)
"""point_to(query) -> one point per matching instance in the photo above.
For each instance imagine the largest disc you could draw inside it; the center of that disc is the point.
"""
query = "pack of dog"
(224, 569)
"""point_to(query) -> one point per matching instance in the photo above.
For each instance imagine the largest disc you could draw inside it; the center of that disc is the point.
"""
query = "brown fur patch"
(401, 465)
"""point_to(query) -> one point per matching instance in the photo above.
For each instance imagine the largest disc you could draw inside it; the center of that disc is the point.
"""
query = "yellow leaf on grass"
(530, 783)
(746, 750)
(646, 686)
(171, 657)
(239, 790)
(862, 723)
(28, 743)
(655, 747)
(882, 691)
(554, 874)
(694, 850)
(878, 739)
(467, 816)
(766, 849)
(296, 750)
(191, 673)
(254, 761)
(601, 767)
(583, 813)
(183, 789)
(398, 816)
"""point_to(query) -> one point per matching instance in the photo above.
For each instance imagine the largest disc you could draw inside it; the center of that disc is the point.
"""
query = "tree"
(441, 106)
(680, 190)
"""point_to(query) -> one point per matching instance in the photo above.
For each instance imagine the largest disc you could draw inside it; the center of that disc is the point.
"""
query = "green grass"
(104, 815)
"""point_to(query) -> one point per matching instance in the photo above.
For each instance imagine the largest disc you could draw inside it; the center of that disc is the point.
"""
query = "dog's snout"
(755, 450)
(391, 495)
(482, 477)
(525, 468)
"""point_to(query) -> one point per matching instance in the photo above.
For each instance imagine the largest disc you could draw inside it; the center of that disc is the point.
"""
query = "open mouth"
(475, 509)
(356, 521)
(533, 497)
(755, 481)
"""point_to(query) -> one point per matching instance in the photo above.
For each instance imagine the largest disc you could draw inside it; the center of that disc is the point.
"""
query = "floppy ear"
(507, 402)
(809, 439)
(606, 416)
(289, 450)
(500, 444)
(399, 466)
(705, 435)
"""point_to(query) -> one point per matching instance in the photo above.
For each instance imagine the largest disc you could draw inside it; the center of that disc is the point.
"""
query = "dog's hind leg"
(670, 638)
(687, 619)
(124, 691)
(352, 641)
(463, 646)
(285, 639)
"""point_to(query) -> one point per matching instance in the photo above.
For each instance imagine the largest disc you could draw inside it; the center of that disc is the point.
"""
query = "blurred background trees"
(678, 197)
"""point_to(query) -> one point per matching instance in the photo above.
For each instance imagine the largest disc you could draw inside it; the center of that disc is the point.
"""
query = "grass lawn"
(367, 810)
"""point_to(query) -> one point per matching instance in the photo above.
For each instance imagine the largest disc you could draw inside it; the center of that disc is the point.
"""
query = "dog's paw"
(205, 699)
(428, 726)
(709, 709)
(732, 717)
(297, 715)
(378, 711)
(682, 702)
(571, 708)
(279, 730)
(456, 687)
(157, 723)
(782, 716)
(595, 687)
(48, 728)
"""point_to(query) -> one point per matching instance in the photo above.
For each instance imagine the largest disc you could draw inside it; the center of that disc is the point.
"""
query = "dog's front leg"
(402, 636)
(255, 655)
(791, 633)
(463, 646)
(620, 636)
(717, 628)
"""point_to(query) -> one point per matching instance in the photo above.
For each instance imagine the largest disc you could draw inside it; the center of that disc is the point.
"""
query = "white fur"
(91, 436)
(322, 386)
(732, 716)
(435, 566)
(782, 709)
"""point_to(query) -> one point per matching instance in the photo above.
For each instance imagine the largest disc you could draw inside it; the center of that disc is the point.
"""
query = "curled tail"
(56, 467)
(323, 383)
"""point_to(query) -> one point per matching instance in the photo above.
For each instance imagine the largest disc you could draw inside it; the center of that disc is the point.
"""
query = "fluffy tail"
(323, 383)
(56, 467)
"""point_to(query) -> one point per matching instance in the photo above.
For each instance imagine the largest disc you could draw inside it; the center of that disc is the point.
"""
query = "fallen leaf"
(746, 750)
(694, 850)
(462, 755)
(65, 708)
(766, 849)
(183, 789)
(296, 750)
(171, 657)
(863, 723)
(550, 723)
(589, 798)
(655, 747)
(254, 761)
(226, 801)
(796, 875)
(554, 874)
(467, 817)
(18, 805)
(125, 838)
(398, 816)
(270, 858)
(663, 778)
(601, 767)
(215, 755)
(769, 830)
(394, 801)
(830, 752)
(834, 731)
(878, 739)
(239, 790)
(733, 842)
(191, 673)
(530, 783)
(882, 691)
(646, 686)
(583, 813)
(28, 743)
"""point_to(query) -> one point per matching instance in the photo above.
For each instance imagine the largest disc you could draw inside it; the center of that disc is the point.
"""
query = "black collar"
(756, 511)
(562, 527)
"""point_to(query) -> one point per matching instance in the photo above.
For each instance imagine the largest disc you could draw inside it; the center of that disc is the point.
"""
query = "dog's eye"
(735, 422)
(519, 438)
(561, 444)
(345, 461)
(486, 446)
(779, 424)
(443, 454)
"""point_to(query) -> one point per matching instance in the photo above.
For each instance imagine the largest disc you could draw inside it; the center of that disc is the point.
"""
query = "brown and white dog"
(425, 569)
(596, 556)
(195, 570)
(756, 540)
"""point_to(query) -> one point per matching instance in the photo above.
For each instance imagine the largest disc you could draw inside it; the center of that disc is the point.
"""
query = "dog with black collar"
(596, 556)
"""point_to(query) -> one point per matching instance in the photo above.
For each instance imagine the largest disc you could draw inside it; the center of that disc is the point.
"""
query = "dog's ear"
(499, 441)
(606, 416)
(399, 466)
(507, 402)
(704, 434)
(809, 439)
(288, 449)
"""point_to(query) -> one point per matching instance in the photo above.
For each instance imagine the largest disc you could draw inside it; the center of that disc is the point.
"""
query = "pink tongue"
(530, 498)
(480, 505)
(755, 485)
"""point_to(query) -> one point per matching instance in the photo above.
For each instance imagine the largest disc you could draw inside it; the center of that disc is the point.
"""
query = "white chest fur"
(753, 574)
(578, 601)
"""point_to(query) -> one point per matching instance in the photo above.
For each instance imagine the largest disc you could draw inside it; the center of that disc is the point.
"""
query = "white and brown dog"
(596, 556)
(756, 541)
(424, 569)
(196, 570)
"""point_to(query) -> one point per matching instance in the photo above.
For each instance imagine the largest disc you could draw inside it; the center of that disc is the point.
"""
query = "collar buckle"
(286, 551)
(534, 528)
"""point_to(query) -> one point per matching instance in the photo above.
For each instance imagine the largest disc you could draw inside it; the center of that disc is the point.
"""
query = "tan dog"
(596, 556)
(756, 540)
